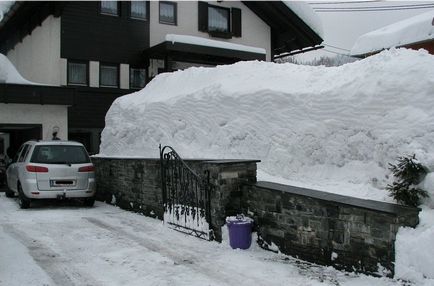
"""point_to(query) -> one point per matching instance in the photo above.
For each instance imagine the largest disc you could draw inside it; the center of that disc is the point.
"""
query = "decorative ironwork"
(186, 196)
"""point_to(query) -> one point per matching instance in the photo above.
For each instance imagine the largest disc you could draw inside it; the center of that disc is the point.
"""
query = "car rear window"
(59, 154)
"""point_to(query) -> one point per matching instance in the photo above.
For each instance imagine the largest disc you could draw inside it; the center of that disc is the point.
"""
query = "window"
(77, 73)
(59, 154)
(15, 159)
(168, 13)
(218, 19)
(24, 153)
(138, 10)
(109, 8)
(137, 78)
(108, 75)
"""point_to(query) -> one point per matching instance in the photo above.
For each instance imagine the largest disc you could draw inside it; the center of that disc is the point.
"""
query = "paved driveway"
(66, 244)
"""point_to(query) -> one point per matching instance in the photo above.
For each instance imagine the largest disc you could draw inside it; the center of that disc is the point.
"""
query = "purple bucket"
(240, 231)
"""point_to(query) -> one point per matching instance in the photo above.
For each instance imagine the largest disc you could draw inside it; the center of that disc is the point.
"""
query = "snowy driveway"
(66, 244)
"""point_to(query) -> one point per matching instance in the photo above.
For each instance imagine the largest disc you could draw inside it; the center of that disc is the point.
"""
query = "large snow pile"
(9, 74)
(334, 129)
(412, 30)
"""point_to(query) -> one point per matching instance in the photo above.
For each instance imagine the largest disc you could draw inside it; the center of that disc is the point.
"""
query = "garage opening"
(12, 136)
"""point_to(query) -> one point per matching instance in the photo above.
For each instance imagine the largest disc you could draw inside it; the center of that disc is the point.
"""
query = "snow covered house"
(105, 49)
(414, 33)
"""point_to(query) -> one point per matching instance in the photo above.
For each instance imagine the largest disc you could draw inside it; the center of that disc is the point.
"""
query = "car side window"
(15, 159)
(27, 152)
(23, 153)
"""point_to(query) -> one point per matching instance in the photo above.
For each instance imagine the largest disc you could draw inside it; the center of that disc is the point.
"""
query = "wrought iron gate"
(186, 196)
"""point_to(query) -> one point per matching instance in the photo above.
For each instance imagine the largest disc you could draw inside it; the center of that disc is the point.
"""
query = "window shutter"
(203, 16)
(236, 22)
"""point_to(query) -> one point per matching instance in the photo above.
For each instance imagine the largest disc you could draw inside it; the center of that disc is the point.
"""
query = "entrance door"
(14, 135)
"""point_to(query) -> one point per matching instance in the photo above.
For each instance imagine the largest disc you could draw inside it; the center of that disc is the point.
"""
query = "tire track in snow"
(59, 268)
(187, 258)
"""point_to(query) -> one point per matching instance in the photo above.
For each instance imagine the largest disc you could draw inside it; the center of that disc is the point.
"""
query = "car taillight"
(36, 169)
(89, 168)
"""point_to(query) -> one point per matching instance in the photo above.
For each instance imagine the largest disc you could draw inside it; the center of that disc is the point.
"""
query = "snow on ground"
(415, 250)
(412, 30)
(65, 244)
(334, 129)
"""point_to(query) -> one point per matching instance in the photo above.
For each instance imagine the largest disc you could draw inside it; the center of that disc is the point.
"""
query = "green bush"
(408, 173)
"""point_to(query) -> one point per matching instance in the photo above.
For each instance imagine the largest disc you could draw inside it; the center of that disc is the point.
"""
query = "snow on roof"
(4, 8)
(412, 30)
(212, 43)
(307, 14)
(334, 129)
(9, 74)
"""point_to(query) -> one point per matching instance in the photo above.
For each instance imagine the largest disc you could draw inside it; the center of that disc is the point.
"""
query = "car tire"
(23, 201)
(89, 202)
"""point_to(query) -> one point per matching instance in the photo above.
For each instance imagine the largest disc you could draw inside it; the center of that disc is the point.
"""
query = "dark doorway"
(82, 137)
(18, 134)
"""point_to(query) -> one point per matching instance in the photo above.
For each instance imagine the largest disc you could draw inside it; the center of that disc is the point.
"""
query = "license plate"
(62, 183)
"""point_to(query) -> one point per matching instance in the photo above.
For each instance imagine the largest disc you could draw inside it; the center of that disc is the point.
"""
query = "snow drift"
(334, 129)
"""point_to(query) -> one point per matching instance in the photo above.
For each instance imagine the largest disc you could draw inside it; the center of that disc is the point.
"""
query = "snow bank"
(415, 251)
(9, 74)
(412, 30)
(334, 129)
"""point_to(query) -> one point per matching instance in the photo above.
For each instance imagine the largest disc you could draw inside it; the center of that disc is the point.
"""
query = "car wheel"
(23, 201)
(89, 202)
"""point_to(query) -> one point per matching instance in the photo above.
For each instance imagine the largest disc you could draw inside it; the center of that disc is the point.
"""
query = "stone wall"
(135, 184)
(325, 228)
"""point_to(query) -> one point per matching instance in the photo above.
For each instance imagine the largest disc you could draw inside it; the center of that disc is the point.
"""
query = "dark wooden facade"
(199, 54)
(36, 94)
(288, 31)
(89, 35)
(91, 105)
(427, 45)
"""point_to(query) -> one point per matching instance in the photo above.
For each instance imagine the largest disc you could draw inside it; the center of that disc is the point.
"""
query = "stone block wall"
(324, 228)
(228, 178)
(329, 229)
(132, 184)
(135, 184)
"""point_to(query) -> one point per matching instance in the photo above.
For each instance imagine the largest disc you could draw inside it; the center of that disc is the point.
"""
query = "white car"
(51, 170)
